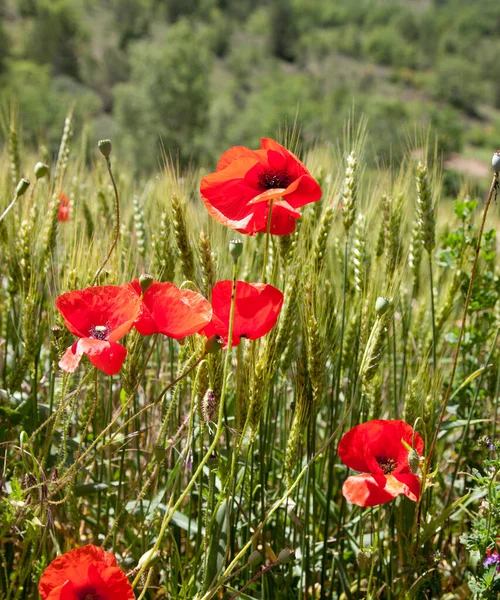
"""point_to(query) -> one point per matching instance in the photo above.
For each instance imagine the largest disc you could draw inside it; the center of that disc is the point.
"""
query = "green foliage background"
(202, 75)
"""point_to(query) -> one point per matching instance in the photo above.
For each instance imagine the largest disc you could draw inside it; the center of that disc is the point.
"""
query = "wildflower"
(375, 448)
(86, 573)
(257, 307)
(492, 558)
(240, 192)
(169, 310)
(99, 316)
(63, 211)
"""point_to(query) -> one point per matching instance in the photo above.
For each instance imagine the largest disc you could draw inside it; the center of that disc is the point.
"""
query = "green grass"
(101, 462)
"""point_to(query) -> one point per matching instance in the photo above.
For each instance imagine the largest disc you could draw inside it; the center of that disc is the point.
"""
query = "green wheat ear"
(185, 250)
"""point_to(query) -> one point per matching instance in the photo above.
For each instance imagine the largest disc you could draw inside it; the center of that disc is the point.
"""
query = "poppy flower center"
(89, 593)
(99, 332)
(386, 464)
(269, 180)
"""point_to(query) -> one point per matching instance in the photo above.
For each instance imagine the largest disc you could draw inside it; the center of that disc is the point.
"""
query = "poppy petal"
(106, 356)
(71, 358)
(370, 490)
(239, 193)
(112, 306)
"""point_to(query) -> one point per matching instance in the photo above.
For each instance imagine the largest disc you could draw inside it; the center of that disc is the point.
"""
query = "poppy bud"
(236, 248)
(381, 305)
(209, 405)
(495, 161)
(41, 170)
(364, 558)
(105, 147)
(148, 559)
(287, 555)
(213, 344)
(145, 281)
(255, 558)
(22, 186)
(413, 461)
(24, 439)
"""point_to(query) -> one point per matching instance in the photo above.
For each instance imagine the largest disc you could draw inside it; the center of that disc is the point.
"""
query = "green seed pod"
(105, 147)
(495, 161)
(145, 281)
(236, 248)
(255, 558)
(382, 305)
(287, 555)
(41, 170)
(22, 186)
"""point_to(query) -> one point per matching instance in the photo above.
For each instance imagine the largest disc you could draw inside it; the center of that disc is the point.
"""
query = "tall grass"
(122, 461)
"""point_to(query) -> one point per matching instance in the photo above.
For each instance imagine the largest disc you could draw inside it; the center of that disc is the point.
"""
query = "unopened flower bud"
(255, 558)
(24, 439)
(364, 558)
(41, 170)
(287, 555)
(147, 559)
(382, 305)
(105, 147)
(413, 461)
(495, 161)
(213, 344)
(209, 406)
(22, 186)
(235, 248)
(145, 281)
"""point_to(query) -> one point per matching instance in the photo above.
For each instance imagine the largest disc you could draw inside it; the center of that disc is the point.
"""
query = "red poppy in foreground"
(99, 316)
(169, 310)
(87, 573)
(376, 449)
(240, 192)
(63, 210)
(256, 310)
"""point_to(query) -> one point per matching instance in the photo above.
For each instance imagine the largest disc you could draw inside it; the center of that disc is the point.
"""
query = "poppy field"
(276, 379)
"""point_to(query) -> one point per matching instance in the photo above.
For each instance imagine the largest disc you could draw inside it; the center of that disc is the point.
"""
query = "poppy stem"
(492, 193)
(218, 433)
(268, 237)
(117, 231)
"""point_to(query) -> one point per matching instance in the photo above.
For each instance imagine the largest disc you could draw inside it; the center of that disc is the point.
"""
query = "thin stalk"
(117, 231)
(333, 411)
(469, 418)
(220, 428)
(493, 189)
(268, 238)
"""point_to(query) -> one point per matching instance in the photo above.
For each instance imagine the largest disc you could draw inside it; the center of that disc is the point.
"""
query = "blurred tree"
(167, 96)
(4, 48)
(458, 83)
(133, 19)
(57, 37)
(283, 30)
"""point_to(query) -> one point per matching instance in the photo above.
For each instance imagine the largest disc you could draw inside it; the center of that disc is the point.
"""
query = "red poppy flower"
(99, 316)
(63, 210)
(375, 448)
(87, 573)
(256, 311)
(240, 191)
(169, 310)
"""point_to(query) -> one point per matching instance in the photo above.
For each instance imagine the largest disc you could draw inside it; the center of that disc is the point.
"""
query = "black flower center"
(99, 332)
(269, 180)
(387, 464)
(89, 593)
